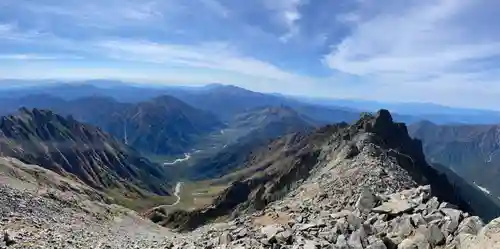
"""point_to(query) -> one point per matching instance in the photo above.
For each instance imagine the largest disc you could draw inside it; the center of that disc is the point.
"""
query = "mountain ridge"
(79, 151)
(339, 186)
(131, 121)
(375, 140)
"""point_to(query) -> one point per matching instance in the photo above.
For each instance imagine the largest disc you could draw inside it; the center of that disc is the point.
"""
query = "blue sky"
(442, 51)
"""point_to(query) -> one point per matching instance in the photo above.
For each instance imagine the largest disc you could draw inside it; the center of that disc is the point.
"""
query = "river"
(177, 193)
(186, 157)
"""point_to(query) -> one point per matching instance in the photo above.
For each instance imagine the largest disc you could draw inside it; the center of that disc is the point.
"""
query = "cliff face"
(472, 151)
(79, 151)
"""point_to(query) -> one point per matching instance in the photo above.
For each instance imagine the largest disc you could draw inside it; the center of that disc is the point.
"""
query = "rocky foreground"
(356, 201)
(360, 195)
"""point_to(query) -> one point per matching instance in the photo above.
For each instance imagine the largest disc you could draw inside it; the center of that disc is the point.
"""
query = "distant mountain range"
(225, 101)
(412, 112)
(163, 125)
(472, 151)
(227, 122)
(81, 152)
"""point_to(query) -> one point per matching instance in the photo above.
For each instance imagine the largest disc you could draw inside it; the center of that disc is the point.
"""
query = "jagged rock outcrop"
(279, 167)
(365, 185)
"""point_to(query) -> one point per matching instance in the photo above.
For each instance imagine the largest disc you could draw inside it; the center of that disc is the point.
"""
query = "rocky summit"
(359, 186)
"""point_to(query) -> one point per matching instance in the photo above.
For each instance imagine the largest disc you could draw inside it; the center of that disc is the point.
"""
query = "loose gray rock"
(394, 207)
(225, 238)
(366, 201)
(471, 225)
(435, 236)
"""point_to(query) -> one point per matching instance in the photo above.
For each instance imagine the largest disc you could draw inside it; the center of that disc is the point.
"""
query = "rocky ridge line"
(360, 194)
(367, 190)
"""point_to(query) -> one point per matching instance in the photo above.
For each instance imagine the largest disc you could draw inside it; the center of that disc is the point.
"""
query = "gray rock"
(366, 201)
(470, 225)
(242, 233)
(340, 214)
(342, 242)
(270, 232)
(284, 237)
(356, 239)
(433, 217)
(310, 244)
(435, 236)
(416, 242)
(8, 239)
(418, 219)
(377, 245)
(354, 221)
(447, 205)
(341, 226)
(380, 226)
(306, 227)
(394, 207)
(392, 240)
(432, 205)
(488, 237)
(419, 240)
(453, 220)
(225, 238)
(402, 226)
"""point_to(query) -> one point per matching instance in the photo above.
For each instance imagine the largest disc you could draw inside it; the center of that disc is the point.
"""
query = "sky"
(441, 51)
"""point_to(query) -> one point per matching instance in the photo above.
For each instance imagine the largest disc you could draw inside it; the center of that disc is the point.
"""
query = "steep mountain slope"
(374, 152)
(250, 130)
(473, 151)
(41, 209)
(79, 151)
(163, 125)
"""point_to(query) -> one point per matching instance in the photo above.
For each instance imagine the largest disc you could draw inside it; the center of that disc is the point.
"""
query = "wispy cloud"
(92, 13)
(421, 41)
(6, 28)
(38, 57)
(215, 55)
(11, 32)
(287, 13)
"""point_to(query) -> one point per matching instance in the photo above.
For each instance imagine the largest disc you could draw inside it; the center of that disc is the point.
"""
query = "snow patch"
(485, 190)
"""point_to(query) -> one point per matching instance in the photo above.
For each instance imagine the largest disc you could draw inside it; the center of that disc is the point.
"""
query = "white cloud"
(6, 28)
(217, 56)
(422, 40)
(38, 57)
(94, 13)
(440, 51)
(288, 14)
